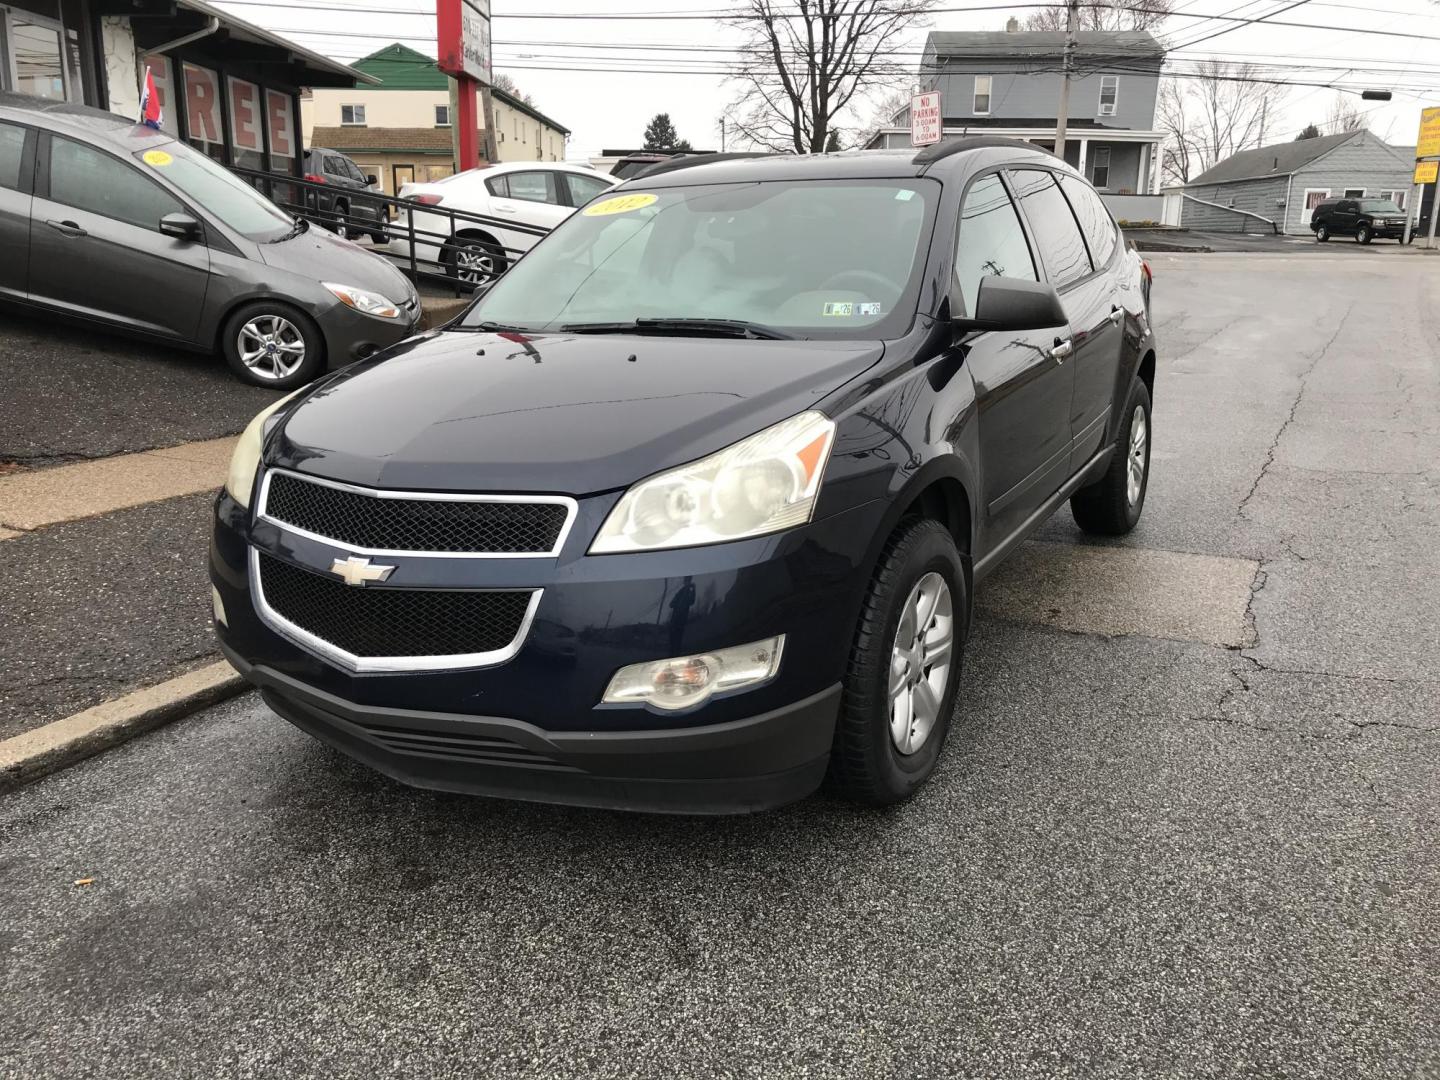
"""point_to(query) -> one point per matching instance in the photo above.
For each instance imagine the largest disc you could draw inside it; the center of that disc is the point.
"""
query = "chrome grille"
(387, 522)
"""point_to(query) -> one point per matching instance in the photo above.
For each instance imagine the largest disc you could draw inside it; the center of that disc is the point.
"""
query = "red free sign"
(925, 121)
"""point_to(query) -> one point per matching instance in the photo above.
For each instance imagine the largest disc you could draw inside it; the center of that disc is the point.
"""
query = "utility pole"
(722, 134)
(1264, 107)
(1062, 114)
(487, 116)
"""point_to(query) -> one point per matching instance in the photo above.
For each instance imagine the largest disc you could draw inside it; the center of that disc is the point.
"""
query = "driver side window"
(992, 243)
(89, 179)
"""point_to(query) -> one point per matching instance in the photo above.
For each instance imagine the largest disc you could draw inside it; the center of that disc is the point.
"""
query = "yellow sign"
(620, 204)
(1428, 142)
(1427, 172)
(158, 158)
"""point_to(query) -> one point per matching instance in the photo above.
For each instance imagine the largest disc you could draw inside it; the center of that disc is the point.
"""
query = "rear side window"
(87, 179)
(498, 186)
(585, 188)
(1095, 220)
(1062, 248)
(992, 243)
(12, 146)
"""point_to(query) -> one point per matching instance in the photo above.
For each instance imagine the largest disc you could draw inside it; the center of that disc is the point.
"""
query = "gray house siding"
(1265, 196)
(1363, 162)
(1366, 163)
(1018, 92)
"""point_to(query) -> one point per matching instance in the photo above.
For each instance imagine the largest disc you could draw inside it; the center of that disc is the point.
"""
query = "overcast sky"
(606, 106)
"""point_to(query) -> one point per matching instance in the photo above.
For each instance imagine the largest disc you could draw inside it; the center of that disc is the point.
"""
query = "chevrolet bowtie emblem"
(359, 571)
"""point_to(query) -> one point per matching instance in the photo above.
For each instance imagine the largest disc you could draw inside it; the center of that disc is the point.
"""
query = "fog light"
(217, 607)
(686, 681)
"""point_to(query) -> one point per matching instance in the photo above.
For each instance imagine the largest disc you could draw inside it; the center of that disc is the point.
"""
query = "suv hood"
(552, 413)
(322, 256)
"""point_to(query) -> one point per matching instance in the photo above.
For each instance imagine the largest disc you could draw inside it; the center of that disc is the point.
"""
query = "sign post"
(926, 123)
(463, 37)
(1427, 164)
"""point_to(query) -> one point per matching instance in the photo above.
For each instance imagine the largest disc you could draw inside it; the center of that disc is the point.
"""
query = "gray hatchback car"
(118, 224)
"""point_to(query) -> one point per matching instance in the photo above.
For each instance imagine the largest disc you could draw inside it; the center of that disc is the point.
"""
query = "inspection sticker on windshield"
(158, 158)
(843, 310)
(620, 204)
(867, 309)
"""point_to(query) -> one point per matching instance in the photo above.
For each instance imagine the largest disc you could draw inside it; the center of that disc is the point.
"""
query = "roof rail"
(676, 164)
(943, 149)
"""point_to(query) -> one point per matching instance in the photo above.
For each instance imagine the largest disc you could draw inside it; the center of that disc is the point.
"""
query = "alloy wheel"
(474, 264)
(271, 346)
(920, 662)
(1135, 466)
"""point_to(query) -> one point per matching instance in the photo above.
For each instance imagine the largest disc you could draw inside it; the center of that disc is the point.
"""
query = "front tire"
(1112, 505)
(1363, 235)
(273, 345)
(1322, 233)
(904, 669)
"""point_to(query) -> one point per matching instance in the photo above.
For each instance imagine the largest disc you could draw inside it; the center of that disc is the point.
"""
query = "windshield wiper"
(488, 327)
(300, 226)
(701, 327)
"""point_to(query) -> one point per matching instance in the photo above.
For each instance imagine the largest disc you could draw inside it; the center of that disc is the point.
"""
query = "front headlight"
(246, 459)
(760, 485)
(362, 300)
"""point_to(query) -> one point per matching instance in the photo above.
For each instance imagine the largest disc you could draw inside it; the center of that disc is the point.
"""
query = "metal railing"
(463, 249)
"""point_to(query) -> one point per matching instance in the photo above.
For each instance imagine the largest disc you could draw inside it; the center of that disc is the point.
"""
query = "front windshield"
(833, 258)
(217, 191)
(1379, 206)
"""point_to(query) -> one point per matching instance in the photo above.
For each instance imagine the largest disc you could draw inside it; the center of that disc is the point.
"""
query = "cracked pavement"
(1200, 850)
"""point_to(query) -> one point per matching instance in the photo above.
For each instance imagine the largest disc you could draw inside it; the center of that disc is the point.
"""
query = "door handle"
(67, 228)
(506, 209)
(1061, 350)
(1116, 313)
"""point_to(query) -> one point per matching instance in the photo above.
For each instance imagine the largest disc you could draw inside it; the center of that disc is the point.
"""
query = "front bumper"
(534, 726)
(351, 335)
(737, 767)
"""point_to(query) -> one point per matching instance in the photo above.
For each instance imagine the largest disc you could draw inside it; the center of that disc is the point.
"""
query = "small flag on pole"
(150, 112)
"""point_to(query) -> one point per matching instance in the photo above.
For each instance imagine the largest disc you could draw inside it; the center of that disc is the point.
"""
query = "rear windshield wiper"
(702, 327)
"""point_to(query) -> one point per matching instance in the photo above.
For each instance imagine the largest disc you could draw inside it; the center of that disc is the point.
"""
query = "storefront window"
(202, 111)
(246, 124)
(39, 60)
(282, 131)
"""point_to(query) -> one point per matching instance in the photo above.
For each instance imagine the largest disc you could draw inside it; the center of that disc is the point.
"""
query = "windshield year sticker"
(620, 204)
(157, 158)
(832, 310)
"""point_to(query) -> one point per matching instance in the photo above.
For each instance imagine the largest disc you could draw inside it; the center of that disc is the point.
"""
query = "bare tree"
(882, 115)
(1345, 115)
(804, 61)
(1102, 16)
(507, 84)
(1213, 114)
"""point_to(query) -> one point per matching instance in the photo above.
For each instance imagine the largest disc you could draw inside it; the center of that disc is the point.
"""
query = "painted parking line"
(1124, 590)
(33, 500)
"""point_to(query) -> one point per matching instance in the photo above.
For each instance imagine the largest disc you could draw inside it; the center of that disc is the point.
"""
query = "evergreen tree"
(832, 142)
(1310, 131)
(660, 133)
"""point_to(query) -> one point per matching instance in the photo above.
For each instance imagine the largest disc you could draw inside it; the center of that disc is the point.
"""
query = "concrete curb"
(55, 746)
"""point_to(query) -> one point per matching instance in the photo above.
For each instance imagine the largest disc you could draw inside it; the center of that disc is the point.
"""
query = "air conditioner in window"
(1107, 110)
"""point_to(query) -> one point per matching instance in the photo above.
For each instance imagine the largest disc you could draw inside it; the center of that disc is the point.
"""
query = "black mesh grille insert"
(371, 621)
(414, 524)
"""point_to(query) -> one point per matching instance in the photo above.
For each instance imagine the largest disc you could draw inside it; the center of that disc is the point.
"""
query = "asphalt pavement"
(1156, 845)
(68, 393)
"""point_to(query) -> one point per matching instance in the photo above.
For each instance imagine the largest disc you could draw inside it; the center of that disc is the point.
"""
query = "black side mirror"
(370, 178)
(1011, 304)
(181, 227)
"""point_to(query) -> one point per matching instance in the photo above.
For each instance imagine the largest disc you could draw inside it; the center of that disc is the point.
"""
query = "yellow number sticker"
(157, 158)
(620, 204)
